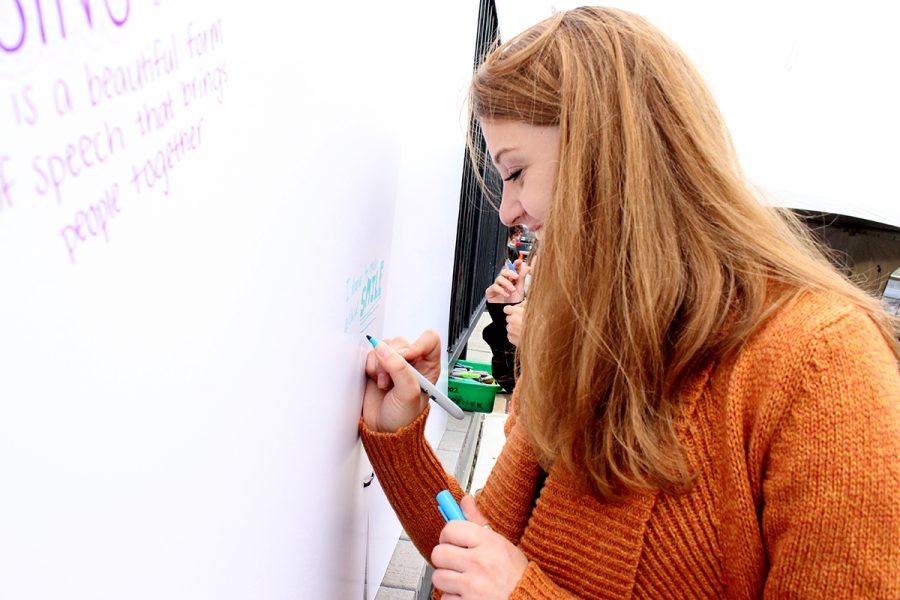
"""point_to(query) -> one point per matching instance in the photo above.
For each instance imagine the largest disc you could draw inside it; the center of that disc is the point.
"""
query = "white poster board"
(196, 208)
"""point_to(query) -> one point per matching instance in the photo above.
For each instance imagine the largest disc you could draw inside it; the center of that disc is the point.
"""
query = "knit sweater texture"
(795, 444)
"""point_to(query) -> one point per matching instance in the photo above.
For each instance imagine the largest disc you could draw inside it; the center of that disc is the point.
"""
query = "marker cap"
(448, 507)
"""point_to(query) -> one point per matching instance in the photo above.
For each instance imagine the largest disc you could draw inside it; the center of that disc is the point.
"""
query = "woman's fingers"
(448, 556)
(371, 364)
(424, 354)
(399, 371)
(448, 581)
(372, 401)
(508, 279)
(504, 286)
(471, 511)
(464, 534)
(496, 293)
(399, 343)
(426, 347)
(393, 397)
(376, 372)
(514, 316)
(520, 287)
(513, 311)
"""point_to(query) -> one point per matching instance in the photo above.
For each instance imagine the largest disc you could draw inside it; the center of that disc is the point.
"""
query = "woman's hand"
(503, 288)
(472, 561)
(509, 287)
(515, 318)
(393, 398)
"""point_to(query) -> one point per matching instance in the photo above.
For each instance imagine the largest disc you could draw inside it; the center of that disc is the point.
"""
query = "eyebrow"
(502, 151)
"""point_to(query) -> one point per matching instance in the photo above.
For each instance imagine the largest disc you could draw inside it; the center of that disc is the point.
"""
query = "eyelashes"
(514, 175)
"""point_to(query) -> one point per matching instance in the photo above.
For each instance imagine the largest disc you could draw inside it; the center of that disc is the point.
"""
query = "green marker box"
(472, 395)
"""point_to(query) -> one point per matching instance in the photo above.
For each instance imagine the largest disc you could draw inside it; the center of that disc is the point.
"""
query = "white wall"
(437, 72)
(182, 361)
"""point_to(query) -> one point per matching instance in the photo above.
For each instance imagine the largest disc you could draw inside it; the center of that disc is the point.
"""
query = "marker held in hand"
(435, 394)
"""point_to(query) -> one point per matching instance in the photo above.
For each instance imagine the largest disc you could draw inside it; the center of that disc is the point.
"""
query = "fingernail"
(403, 351)
(382, 380)
(382, 350)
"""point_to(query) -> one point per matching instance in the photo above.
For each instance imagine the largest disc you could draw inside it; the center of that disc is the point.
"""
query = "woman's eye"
(514, 175)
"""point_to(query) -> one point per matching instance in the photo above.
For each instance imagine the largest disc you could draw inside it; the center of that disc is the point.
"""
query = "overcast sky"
(809, 90)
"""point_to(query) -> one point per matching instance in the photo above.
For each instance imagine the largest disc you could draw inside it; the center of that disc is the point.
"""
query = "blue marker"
(511, 266)
(448, 507)
(435, 394)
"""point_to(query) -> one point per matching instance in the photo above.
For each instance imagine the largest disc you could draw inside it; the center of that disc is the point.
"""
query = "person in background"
(505, 302)
(513, 241)
(706, 407)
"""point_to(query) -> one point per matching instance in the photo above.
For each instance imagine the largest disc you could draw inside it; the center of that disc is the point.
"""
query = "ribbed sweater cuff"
(411, 476)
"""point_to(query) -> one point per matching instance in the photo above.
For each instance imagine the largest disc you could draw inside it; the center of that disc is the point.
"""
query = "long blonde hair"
(657, 260)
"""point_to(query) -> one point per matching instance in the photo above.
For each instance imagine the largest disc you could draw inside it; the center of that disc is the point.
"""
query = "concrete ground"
(492, 437)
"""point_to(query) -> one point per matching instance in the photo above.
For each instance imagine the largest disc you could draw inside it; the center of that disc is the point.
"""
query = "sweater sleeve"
(411, 476)
(536, 585)
(495, 332)
(831, 483)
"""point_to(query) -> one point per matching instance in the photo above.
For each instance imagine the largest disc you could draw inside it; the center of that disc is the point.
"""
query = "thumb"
(470, 509)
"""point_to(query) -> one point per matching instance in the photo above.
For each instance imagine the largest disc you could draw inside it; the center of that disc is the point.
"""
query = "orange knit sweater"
(796, 446)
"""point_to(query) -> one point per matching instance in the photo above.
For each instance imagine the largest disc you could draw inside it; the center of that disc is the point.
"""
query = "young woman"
(706, 407)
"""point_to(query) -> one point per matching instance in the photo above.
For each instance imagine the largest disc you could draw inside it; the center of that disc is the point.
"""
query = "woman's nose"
(510, 208)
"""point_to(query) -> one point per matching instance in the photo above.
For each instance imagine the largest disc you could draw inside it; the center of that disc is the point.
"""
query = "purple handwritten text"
(5, 185)
(212, 82)
(91, 223)
(204, 41)
(157, 167)
(112, 82)
(85, 153)
(23, 107)
(117, 11)
(151, 118)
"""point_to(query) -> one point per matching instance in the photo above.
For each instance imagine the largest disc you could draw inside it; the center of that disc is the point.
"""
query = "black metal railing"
(480, 236)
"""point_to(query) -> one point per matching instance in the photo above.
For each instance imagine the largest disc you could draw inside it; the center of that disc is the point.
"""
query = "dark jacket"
(503, 362)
